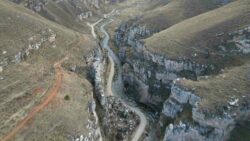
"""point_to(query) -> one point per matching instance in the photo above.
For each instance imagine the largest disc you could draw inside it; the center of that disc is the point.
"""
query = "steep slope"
(160, 16)
(30, 46)
(163, 16)
(71, 13)
(199, 33)
(215, 108)
(197, 47)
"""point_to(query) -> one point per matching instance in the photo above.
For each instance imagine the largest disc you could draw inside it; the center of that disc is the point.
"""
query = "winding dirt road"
(92, 26)
(51, 95)
(111, 76)
(112, 57)
(143, 121)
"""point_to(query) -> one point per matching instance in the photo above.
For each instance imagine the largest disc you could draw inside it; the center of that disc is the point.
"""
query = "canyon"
(139, 70)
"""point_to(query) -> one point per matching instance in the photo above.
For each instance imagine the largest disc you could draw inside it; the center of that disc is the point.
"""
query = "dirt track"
(143, 120)
(51, 95)
(110, 78)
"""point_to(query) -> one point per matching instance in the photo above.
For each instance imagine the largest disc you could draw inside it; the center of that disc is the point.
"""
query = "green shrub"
(66, 97)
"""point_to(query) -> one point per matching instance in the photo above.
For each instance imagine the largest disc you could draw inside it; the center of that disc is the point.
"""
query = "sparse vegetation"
(18, 26)
(182, 38)
(216, 91)
(198, 33)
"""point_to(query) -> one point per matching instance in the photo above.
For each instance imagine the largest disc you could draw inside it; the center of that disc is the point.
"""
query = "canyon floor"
(124, 70)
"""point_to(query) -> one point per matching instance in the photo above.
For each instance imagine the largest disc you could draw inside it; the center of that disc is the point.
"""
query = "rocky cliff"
(150, 78)
(98, 61)
(200, 126)
(152, 83)
(118, 121)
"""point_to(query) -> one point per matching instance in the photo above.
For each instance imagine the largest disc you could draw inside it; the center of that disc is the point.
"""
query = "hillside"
(115, 70)
(30, 48)
(197, 34)
(189, 60)
(71, 13)
(165, 15)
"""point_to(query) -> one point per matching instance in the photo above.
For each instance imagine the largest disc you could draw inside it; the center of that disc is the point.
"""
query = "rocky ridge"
(202, 127)
(138, 66)
(155, 86)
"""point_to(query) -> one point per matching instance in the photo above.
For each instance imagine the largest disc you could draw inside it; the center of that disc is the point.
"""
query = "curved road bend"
(113, 58)
(92, 26)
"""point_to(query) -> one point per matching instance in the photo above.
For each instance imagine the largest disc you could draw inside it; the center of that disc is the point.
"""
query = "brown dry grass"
(197, 33)
(218, 90)
(175, 11)
(62, 117)
(17, 24)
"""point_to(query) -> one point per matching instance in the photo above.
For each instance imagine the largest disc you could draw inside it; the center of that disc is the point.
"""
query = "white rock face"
(85, 15)
(18, 57)
(52, 38)
(173, 65)
(234, 102)
(214, 128)
(98, 67)
(181, 132)
(178, 97)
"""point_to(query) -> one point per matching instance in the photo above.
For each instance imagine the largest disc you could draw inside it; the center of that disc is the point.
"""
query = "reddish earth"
(38, 90)
(51, 95)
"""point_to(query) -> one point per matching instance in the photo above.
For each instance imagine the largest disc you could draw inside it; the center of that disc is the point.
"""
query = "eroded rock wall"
(98, 60)
(201, 127)
(150, 74)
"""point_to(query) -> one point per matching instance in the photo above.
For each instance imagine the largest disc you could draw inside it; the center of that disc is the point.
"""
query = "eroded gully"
(115, 87)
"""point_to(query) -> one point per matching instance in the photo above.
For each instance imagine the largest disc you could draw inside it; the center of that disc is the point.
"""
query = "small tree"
(66, 97)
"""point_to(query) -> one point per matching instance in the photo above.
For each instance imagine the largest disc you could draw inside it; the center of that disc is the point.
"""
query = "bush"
(66, 97)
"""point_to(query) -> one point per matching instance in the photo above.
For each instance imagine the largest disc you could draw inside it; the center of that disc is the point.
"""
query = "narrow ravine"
(119, 84)
(115, 87)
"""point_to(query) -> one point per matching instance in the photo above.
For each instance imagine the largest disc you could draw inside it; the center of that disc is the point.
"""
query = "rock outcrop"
(150, 78)
(128, 34)
(119, 121)
(46, 38)
(98, 64)
(177, 99)
(202, 127)
(152, 74)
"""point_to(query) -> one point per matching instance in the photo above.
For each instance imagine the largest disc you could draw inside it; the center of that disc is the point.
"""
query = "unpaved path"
(110, 78)
(112, 57)
(143, 120)
(51, 95)
(92, 26)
